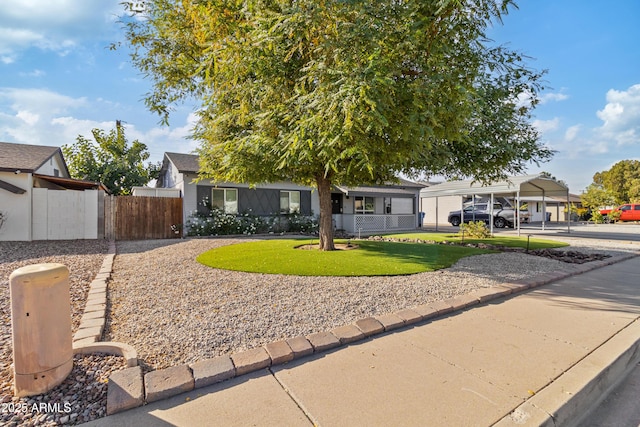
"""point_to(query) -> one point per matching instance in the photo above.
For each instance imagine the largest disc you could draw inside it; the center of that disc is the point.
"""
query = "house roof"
(401, 188)
(189, 163)
(72, 184)
(24, 157)
(185, 163)
(525, 185)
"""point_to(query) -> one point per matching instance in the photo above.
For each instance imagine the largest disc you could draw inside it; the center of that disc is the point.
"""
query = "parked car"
(502, 216)
(628, 212)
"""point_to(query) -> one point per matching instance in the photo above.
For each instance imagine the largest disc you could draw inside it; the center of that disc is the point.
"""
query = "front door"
(336, 203)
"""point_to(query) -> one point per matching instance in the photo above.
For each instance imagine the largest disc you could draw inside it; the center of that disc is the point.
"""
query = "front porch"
(367, 223)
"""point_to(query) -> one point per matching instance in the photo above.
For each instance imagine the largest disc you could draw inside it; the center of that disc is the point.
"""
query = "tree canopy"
(110, 160)
(324, 92)
(620, 184)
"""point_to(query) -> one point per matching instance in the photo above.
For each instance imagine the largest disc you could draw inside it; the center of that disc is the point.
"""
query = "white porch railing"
(383, 222)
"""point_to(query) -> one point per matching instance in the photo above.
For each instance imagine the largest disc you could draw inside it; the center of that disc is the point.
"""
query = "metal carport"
(515, 186)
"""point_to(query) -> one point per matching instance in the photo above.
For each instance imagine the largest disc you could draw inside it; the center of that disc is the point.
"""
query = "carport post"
(517, 212)
(544, 210)
(568, 212)
(491, 216)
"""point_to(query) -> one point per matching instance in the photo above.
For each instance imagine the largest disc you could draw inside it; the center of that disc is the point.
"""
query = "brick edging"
(93, 319)
(129, 389)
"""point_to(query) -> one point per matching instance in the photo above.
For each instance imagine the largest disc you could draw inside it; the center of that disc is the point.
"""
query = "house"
(361, 209)
(40, 201)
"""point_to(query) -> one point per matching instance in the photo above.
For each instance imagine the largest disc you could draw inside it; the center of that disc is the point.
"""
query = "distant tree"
(596, 197)
(620, 184)
(341, 92)
(110, 160)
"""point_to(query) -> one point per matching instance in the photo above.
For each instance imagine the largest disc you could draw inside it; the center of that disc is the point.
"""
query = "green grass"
(373, 258)
(509, 241)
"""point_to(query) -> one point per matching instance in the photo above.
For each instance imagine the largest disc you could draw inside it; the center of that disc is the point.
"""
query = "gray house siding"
(257, 201)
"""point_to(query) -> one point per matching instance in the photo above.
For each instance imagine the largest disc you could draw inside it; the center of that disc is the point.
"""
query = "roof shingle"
(23, 157)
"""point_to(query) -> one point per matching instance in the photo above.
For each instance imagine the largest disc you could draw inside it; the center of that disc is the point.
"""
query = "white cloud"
(621, 117)
(55, 25)
(551, 97)
(572, 132)
(34, 73)
(165, 139)
(545, 126)
(39, 101)
(42, 117)
(29, 118)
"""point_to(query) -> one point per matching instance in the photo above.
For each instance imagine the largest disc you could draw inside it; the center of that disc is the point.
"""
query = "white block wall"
(65, 214)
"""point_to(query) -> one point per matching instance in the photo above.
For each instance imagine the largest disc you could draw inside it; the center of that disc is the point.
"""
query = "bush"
(218, 223)
(597, 217)
(474, 230)
(614, 215)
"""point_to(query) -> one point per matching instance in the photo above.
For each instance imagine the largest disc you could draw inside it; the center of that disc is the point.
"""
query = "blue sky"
(58, 79)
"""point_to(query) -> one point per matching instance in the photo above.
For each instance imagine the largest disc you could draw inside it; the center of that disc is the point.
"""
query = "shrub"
(614, 215)
(218, 223)
(597, 217)
(474, 230)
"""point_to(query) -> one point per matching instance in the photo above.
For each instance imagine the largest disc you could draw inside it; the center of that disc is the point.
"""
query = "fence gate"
(138, 218)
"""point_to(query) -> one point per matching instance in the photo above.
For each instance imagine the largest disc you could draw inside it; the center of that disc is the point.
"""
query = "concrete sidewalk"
(544, 356)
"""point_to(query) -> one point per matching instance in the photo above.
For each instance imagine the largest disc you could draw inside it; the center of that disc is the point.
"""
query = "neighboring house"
(360, 209)
(40, 200)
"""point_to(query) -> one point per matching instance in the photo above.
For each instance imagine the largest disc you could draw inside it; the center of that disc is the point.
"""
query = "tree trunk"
(326, 221)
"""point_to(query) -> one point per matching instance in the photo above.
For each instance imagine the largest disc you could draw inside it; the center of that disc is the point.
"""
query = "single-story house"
(361, 209)
(40, 201)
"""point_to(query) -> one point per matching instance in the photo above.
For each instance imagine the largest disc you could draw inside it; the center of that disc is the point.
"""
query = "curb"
(129, 389)
(568, 399)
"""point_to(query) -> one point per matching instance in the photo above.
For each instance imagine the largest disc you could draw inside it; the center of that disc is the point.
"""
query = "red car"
(628, 212)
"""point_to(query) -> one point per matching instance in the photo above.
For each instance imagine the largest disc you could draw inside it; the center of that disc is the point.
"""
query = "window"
(289, 202)
(402, 206)
(364, 205)
(225, 199)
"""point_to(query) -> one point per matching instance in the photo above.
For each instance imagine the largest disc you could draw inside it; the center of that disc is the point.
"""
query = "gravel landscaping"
(173, 310)
(82, 396)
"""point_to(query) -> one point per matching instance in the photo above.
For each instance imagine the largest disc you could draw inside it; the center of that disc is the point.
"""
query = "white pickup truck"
(502, 216)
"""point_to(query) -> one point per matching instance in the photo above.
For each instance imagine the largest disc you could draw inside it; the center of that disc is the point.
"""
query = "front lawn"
(509, 241)
(372, 258)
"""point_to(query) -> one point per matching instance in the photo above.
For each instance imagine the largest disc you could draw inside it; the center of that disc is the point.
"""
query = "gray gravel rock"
(82, 396)
(160, 296)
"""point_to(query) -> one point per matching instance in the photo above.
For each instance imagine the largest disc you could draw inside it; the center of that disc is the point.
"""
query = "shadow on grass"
(433, 257)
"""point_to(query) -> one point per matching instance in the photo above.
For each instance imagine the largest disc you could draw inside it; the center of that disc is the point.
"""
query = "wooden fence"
(139, 218)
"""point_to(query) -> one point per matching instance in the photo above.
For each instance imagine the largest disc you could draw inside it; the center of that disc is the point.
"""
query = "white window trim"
(292, 207)
(225, 202)
(364, 210)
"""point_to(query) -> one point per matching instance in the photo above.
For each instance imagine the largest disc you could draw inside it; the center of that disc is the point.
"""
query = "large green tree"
(110, 160)
(620, 184)
(324, 92)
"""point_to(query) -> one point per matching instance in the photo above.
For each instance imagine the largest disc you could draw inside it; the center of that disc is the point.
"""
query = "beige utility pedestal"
(41, 322)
